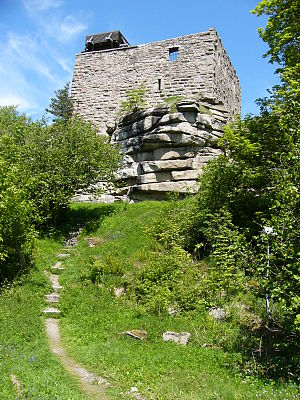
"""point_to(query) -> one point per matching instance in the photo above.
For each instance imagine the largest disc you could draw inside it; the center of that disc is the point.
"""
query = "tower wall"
(202, 69)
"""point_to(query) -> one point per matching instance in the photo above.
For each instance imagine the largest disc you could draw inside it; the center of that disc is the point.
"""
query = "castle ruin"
(164, 149)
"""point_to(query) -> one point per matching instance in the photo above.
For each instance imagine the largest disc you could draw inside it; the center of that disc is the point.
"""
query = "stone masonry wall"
(203, 68)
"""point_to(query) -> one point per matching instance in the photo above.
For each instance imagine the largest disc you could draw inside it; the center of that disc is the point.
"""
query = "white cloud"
(35, 64)
(65, 64)
(41, 5)
(15, 100)
(50, 21)
(26, 53)
(71, 26)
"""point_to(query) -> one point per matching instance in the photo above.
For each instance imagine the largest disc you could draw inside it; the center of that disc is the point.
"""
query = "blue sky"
(40, 38)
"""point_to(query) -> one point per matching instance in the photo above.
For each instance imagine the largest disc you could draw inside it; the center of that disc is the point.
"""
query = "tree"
(282, 32)
(41, 169)
(256, 182)
(61, 105)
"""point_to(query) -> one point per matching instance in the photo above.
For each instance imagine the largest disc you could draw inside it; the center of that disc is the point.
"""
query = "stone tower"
(190, 66)
(166, 146)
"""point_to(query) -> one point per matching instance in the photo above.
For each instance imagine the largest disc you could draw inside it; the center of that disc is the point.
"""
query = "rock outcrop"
(165, 148)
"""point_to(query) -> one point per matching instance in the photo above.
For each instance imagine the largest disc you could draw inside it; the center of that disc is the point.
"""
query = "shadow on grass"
(87, 216)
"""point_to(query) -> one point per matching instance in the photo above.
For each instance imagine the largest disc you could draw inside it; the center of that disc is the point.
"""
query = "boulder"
(181, 127)
(137, 128)
(170, 119)
(165, 151)
(173, 153)
(188, 108)
(180, 186)
(185, 175)
(177, 337)
(217, 313)
(131, 118)
(126, 173)
(204, 119)
(200, 160)
(153, 141)
(154, 177)
(119, 291)
(189, 105)
(136, 334)
(166, 165)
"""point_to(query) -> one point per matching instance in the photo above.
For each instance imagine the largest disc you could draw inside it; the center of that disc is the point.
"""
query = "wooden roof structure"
(105, 41)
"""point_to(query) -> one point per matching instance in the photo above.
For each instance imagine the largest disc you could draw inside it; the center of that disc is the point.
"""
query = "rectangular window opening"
(173, 54)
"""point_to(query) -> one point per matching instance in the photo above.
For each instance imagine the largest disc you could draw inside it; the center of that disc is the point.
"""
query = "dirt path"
(91, 384)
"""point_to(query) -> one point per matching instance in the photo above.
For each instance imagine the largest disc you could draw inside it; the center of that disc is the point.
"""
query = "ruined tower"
(165, 147)
(188, 66)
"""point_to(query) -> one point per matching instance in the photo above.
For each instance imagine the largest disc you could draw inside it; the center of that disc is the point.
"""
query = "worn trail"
(91, 384)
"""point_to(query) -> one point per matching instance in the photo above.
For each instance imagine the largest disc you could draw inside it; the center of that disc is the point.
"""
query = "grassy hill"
(118, 250)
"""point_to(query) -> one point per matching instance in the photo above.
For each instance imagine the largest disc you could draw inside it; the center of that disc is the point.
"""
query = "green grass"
(24, 350)
(93, 322)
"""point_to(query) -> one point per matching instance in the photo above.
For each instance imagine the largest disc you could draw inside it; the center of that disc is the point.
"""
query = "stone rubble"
(118, 292)
(177, 337)
(63, 255)
(136, 334)
(217, 313)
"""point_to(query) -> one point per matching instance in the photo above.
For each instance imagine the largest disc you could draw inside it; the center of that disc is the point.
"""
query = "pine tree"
(61, 106)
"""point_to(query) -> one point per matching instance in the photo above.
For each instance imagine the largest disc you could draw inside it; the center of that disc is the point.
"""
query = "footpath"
(91, 384)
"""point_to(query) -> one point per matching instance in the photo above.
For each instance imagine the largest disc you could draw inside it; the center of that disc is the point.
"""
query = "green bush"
(99, 270)
(41, 169)
(135, 100)
(16, 230)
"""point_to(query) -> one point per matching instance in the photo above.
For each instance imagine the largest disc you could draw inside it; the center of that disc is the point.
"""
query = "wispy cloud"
(51, 21)
(26, 53)
(34, 64)
(41, 5)
(71, 26)
(14, 100)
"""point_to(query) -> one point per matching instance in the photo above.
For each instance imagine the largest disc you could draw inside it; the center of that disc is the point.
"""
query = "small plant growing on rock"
(135, 100)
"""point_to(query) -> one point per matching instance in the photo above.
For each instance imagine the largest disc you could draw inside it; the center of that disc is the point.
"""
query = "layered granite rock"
(165, 148)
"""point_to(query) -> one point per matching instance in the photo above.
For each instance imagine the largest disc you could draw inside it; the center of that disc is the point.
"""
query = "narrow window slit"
(159, 84)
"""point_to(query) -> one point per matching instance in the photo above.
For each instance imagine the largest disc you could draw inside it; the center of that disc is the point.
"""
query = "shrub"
(41, 169)
(135, 100)
(98, 270)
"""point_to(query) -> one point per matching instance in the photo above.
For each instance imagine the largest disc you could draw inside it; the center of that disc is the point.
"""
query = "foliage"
(24, 350)
(61, 106)
(255, 183)
(135, 100)
(282, 32)
(97, 270)
(16, 230)
(94, 319)
(175, 277)
(41, 169)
